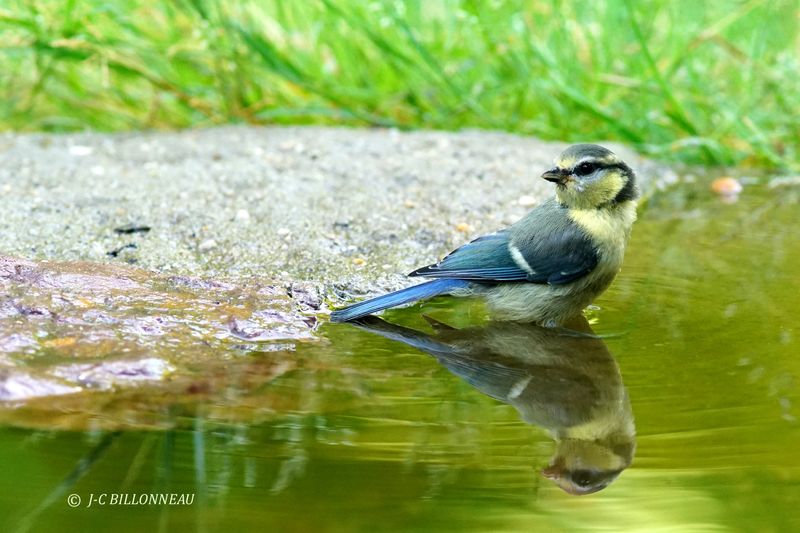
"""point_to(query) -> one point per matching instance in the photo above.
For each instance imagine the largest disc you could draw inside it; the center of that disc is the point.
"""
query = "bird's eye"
(585, 168)
(586, 478)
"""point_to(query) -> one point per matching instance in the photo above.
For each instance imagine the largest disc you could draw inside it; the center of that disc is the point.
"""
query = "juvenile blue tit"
(568, 384)
(550, 265)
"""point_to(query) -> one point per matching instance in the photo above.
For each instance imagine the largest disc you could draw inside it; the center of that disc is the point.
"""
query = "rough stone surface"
(79, 328)
(353, 210)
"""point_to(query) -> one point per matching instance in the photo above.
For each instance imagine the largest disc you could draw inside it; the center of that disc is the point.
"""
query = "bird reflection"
(564, 380)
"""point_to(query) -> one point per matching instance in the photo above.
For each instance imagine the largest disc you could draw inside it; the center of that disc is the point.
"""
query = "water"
(696, 348)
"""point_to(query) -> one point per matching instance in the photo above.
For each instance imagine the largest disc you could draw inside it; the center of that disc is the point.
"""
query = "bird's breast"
(609, 229)
(608, 226)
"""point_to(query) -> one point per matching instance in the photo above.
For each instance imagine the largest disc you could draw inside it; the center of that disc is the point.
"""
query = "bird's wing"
(554, 256)
(560, 255)
(486, 258)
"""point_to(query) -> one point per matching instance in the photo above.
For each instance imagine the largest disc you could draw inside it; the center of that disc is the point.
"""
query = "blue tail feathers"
(417, 339)
(393, 299)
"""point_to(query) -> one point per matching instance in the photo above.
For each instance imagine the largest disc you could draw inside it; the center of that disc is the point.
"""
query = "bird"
(552, 263)
(566, 383)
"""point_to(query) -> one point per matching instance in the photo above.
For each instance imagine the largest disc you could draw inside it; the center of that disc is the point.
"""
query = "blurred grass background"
(712, 82)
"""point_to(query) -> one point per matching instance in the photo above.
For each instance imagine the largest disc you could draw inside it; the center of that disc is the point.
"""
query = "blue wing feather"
(555, 251)
(487, 258)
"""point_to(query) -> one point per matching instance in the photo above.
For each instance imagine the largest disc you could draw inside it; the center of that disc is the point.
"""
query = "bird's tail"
(393, 299)
(417, 339)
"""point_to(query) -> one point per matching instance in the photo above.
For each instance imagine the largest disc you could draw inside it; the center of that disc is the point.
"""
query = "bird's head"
(589, 176)
(582, 467)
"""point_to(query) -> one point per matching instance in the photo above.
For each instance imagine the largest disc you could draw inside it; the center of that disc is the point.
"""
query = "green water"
(699, 352)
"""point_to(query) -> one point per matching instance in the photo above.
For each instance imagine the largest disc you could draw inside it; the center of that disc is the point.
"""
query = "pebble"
(527, 201)
(726, 186)
(207, 244)
(79, 150)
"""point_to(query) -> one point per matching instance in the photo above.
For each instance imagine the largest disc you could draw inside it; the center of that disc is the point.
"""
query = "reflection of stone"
(110, 373)
(19, 386)
(564, 380)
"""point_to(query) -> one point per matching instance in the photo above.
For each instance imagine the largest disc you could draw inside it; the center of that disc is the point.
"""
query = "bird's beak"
(556, 175)
(551, 472)
(554, 471)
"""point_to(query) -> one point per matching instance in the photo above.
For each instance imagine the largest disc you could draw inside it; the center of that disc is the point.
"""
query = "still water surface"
(680, 412)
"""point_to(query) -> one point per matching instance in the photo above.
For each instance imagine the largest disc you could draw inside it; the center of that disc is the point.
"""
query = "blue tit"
(567, 384)
(550, 265)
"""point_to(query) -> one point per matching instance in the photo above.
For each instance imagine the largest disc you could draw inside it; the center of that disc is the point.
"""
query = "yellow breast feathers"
(609, 226)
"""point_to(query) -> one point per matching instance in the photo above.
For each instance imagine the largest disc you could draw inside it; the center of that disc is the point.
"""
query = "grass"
(702, 82)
